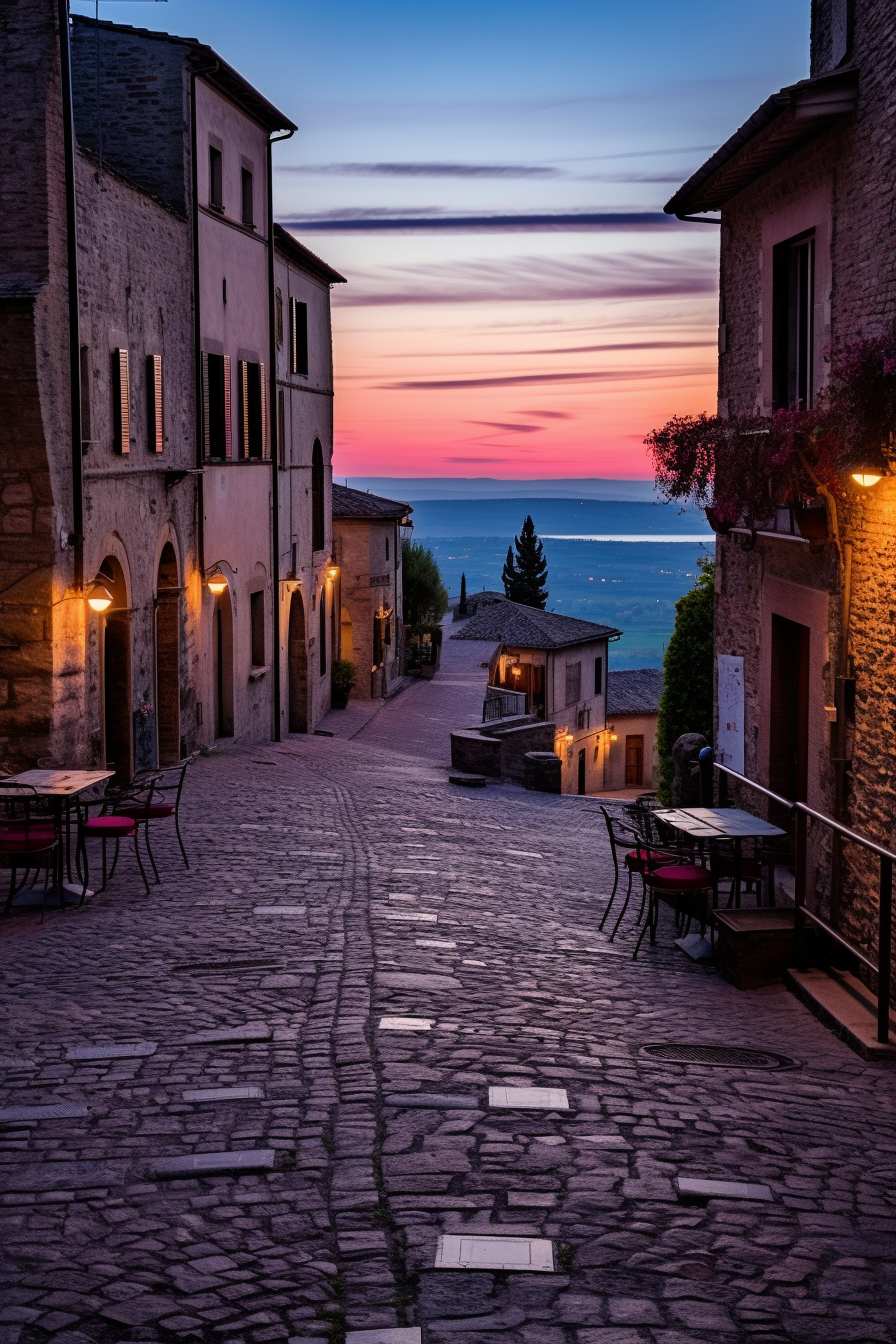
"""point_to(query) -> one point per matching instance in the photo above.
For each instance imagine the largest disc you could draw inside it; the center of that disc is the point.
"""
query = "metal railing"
(801, 815)
(501, 704)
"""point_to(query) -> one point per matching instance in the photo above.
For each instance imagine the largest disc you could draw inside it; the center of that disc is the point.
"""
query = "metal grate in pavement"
(716, 1056)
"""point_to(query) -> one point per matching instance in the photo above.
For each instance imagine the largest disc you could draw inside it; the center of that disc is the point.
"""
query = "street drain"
(717, 1056)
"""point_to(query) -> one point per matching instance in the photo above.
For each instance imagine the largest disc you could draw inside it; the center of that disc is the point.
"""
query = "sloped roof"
(635, 692)
(349, 503)
(528, 628)
(304, 258)
(785, 122)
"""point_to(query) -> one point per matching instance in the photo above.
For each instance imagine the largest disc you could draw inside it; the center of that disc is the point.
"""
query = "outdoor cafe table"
(58, 788)
(721, 823)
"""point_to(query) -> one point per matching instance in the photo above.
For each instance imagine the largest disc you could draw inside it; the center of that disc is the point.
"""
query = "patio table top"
(718, 823)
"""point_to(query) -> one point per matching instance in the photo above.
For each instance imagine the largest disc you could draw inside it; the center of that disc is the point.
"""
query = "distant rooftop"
(348, 503)
(525, 627)
(635, 692)
(304, 258)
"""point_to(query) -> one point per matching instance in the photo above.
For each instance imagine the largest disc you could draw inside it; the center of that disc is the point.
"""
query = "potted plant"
(342, 681)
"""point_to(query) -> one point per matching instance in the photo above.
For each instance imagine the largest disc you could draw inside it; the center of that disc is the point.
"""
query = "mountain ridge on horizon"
(411, 488)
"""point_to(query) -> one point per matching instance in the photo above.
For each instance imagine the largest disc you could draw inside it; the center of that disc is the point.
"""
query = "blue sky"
(415, 112)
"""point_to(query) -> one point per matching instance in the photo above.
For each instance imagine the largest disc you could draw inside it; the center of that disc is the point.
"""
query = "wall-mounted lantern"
(332, 570)
(866, 478)
(216, 580)
(98, 596)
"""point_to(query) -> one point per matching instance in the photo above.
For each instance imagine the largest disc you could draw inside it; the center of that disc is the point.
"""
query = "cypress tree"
(530, 570)
(686, 701)
(510, 577)
(462, 605)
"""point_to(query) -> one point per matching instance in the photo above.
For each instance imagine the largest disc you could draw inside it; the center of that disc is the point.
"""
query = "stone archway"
(298, 666)
(168, 658)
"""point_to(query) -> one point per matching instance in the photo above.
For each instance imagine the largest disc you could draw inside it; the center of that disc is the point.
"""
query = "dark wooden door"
(788, 757)
(117, 724)
(634, 760)
(582, 771)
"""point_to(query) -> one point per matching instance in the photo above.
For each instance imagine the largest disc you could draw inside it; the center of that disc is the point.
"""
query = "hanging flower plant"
(741, 469)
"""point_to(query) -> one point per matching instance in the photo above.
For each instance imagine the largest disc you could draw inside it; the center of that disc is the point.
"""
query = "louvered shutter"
(262, 387)
(206, 427)
(243, 410)
(121, 402)
(155, 422)
(292, 336)
(228, 424)
(298, 336)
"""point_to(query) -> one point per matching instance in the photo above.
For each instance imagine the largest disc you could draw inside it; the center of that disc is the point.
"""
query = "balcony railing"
(501, 704)
(802, 816)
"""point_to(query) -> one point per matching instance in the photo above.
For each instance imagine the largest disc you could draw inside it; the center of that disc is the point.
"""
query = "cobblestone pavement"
(338, 882)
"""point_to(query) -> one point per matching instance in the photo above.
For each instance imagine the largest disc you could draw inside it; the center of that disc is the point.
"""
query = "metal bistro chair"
(167, 788)
(28, 839)
(687, 886)
(626, 840)
(112, 825)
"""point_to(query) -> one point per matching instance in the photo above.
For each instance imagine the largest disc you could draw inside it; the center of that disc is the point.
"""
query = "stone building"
(804, 629)
(556, 667)
(138, 421)
(631, 760)
(309, 607)
(367, 531)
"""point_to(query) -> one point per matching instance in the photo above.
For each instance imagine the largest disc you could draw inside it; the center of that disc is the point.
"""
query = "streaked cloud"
(550, 415)
(535, 379)
(533, 279)
(423, 169)
(421, 219)
(509, 429)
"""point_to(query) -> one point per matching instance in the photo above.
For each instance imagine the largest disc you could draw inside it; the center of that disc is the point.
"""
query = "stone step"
(843, 1003)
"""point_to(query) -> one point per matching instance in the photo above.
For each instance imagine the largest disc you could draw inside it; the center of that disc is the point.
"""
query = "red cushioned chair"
(624, 840)
(28, 839)
(688, 887)
(167, 785)
(115, 825)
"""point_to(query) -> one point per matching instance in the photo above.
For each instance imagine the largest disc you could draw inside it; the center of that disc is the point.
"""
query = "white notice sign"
(731, 712)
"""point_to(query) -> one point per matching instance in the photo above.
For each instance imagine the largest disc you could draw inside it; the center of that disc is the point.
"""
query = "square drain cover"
(406, 1023)
(520, 1253)
(529, 1098)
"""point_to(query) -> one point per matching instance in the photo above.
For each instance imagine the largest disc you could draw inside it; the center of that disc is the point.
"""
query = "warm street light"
(98, 597)
(217, 583)
(516, 670)
(866, 478)
(332, 569)
(614, 736)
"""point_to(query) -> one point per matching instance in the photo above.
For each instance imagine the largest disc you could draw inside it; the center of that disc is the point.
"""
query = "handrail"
(802, 814)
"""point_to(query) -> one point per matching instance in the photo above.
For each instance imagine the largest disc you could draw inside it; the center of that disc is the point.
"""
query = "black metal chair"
(112, 823)
(677, 880)
(625, 840)
(167, 788)
(28, 838)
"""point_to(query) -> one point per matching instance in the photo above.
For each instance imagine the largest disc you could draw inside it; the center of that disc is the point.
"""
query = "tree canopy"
(686, 701)
(525, 574)
(425, 595)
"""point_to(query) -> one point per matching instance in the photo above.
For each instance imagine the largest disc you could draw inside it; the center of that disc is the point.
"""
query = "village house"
(806, 190)
(367, 532)
(548, 670)
(631, 760)
(148, 561)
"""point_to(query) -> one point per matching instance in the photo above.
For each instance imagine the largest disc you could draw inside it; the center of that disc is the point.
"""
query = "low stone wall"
(475, 754)
(517, 742)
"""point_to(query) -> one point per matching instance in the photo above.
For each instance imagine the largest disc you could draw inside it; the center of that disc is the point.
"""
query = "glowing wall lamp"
(516, 671)
(98, 596)
(866, 478)
(216, 582)
(332, 569)
(614, 736)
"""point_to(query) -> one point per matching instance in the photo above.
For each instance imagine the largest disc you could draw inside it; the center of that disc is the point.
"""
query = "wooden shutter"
(206, 429)
(155, 439)
(243, 411)
(292, 336)
(281, 428)
(598, 676)
(298, 337)
(263, 393)
(121, 402)
(228, 424)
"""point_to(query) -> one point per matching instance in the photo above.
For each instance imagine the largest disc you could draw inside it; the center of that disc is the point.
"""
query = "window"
(387, 548)
(793, 334)
(318, 530)
(252, 416)
(121, 403)
(85, 396)
(216, 426)
(215, 178)
(598, 676)
(322, 641)
(281, 429)
(256, 619)
(247, 214)
(298, 337)
(573, 683)
(155, 429)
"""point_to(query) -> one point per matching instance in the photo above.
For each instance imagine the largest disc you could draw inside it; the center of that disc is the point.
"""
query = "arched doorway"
(346, 646)
(223, 665)
(318, 515)
(298, 666)
(115, 664)
(168, 658)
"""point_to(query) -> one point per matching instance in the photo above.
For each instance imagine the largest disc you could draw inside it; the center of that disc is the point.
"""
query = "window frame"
(794, 276)
(298, 337)
(247, 197)
(215, 178)
(216, 377)
(599, 674)
(257, 630)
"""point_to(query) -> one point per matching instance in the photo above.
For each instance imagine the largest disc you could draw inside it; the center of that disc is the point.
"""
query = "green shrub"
(686, 701)
(342, 682)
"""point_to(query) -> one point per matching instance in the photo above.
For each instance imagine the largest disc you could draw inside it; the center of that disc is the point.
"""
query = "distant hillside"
(487, 487)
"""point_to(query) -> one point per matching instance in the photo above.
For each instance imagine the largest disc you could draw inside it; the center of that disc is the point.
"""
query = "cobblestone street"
(336, 883)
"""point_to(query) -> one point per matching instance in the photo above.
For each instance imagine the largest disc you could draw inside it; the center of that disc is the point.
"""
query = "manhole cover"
(717, 1056)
